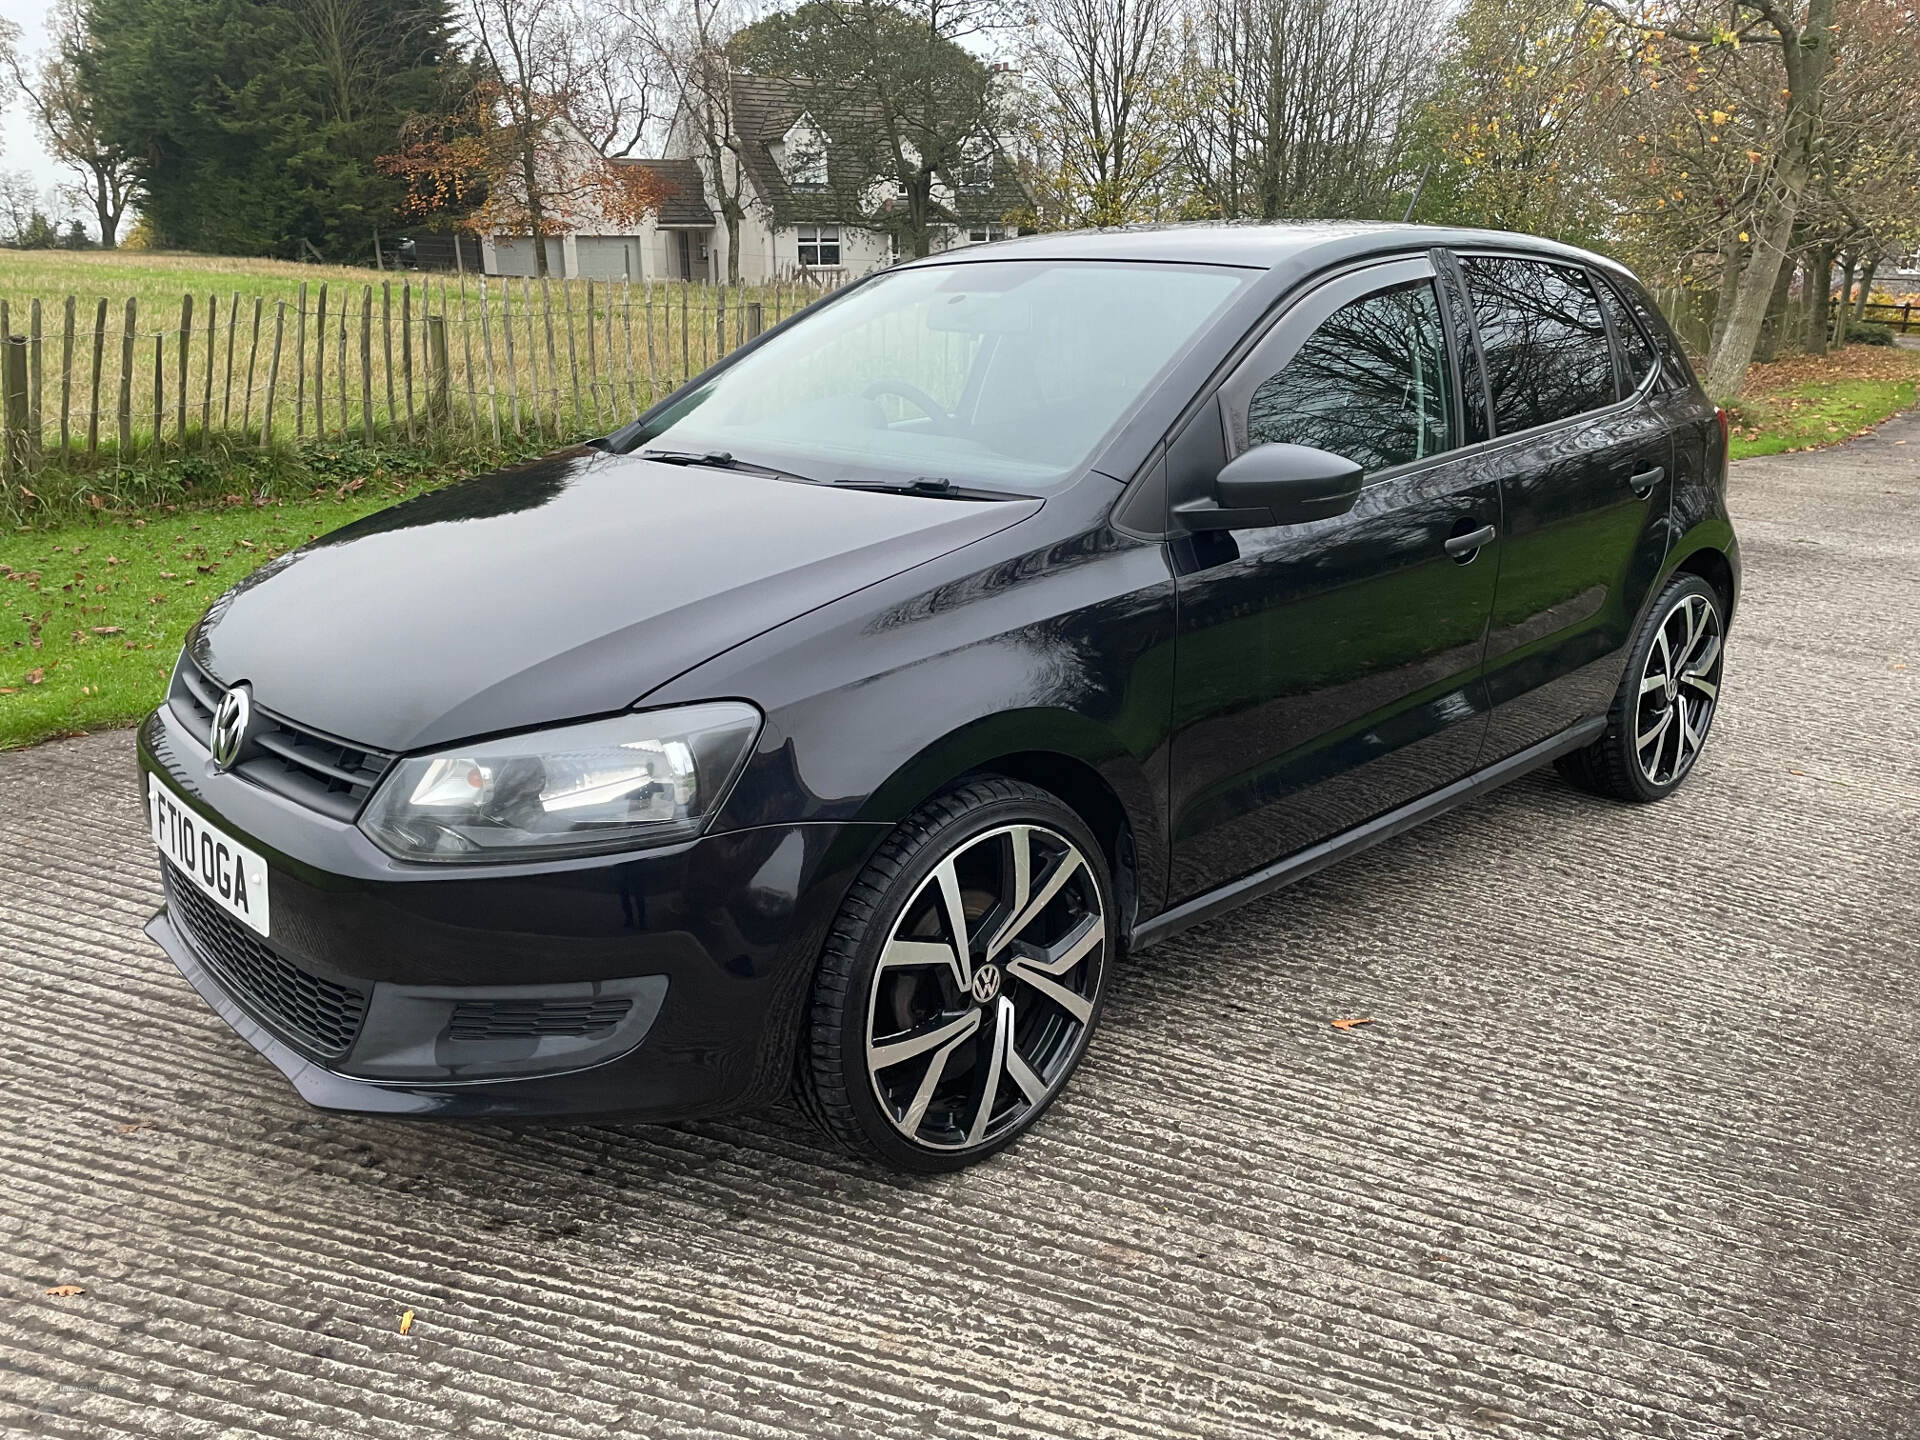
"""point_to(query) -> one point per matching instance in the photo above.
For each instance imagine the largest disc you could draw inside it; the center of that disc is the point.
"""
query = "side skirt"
(1314, 858)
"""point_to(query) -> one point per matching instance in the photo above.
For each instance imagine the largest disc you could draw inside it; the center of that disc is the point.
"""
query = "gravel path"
(1632, 1149)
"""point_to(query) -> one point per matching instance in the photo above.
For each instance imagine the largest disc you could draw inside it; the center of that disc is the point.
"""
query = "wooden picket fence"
(89, 384)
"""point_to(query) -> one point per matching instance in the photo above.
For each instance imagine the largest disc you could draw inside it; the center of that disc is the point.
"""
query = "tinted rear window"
(1544, 342)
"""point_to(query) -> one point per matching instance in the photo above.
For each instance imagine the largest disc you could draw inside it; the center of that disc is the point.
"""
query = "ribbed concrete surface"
(1632, 1149)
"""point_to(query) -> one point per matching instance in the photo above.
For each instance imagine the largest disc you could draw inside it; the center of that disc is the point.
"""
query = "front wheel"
(962, 979)
(1666, 702)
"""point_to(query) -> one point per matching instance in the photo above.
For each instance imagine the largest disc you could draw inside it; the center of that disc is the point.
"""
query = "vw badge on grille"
(230, 724)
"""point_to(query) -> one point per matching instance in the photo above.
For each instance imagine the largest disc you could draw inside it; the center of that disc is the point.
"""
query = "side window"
(1370, 384)
(1544, 341)
(1679, 374)
(1635, 348)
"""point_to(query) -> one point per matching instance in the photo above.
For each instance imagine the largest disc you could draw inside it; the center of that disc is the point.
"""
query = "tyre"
(1667, 699)
(961, 980)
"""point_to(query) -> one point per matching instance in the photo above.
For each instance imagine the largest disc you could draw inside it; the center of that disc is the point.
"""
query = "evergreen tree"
(256, 122)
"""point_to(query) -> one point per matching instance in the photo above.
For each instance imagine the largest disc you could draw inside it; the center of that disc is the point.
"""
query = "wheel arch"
(1069, 756)
(1712, 565)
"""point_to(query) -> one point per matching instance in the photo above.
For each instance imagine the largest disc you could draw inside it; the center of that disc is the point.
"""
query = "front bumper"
(700, 953)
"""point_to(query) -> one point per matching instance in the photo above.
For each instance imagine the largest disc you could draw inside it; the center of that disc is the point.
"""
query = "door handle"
(1643, 481)
(1460, 546)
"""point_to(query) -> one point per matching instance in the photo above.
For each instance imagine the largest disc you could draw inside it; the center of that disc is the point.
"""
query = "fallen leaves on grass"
(1349, 1024)
(1856, 362)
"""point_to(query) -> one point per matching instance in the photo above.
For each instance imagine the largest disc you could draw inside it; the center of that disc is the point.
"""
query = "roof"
(683, 198)
(765, 108)
(1261, 245)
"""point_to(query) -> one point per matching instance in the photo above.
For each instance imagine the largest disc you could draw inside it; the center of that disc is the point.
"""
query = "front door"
(1586, 475)
(1331, 671)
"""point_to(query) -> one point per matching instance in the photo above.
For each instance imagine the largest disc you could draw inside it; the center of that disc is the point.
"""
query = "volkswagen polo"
(842, 722)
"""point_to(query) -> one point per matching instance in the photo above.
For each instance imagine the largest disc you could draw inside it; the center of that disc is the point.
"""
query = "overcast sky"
(22, 149)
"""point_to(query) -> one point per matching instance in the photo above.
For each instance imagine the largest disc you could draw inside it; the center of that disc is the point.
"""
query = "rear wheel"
(962, 979)
(1666, 702)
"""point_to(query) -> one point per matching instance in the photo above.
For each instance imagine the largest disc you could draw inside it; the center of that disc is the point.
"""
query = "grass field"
(1806, 401)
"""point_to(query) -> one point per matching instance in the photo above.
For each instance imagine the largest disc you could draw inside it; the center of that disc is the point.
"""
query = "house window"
(807, 169)
(820, 245)
(975, 170)
(981, 234)
(805, 155)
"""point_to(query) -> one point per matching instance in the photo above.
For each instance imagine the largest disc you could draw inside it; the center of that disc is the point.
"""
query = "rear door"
(1585, 474)
(1330, 671)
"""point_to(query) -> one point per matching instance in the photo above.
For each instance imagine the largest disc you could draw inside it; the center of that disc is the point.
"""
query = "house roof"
(765, 108)
(683, 198)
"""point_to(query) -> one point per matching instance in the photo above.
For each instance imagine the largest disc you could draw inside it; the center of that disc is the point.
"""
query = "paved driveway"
(1632, 1149)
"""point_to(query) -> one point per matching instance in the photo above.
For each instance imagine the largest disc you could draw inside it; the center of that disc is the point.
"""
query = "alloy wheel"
(1678, 690)
(985, 992)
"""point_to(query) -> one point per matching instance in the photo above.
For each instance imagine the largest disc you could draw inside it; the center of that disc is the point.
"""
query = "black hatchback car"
(842, 722)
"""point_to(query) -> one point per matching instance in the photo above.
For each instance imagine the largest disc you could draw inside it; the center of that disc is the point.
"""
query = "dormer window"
(975, 168)
(804, 155)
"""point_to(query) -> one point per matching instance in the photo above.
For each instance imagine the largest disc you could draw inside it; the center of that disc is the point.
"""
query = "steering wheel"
(914, 396)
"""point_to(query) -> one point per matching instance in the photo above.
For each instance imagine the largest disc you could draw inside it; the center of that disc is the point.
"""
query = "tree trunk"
(1731, 254)
(1775, 324)
(1806, 52)
(731, 213)
(107, 215)
(1727, 365)
(1819, 299)
(1839, 322)
(1866, 284)
(536, 208)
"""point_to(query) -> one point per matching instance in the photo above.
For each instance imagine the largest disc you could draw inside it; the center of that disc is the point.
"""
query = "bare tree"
(1102, 115)
(690, 42)
(19, 203)
(63, 113)
(1304, 107)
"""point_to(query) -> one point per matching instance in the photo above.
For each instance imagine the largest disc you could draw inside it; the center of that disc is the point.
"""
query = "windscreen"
(1004, 373)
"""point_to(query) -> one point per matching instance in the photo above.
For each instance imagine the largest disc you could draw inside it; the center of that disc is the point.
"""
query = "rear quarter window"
(1636, 350)
(1677, 374)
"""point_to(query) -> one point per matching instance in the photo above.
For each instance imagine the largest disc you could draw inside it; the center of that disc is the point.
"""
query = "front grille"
(305, 765)
(510, 1019)
(317, 1014)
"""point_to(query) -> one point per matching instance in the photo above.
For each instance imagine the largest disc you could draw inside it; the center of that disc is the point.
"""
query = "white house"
(802, 200)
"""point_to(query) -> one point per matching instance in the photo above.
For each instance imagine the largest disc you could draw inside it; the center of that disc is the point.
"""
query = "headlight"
(642, 779)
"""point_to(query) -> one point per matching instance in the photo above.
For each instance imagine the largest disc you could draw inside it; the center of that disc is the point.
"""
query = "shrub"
(1867, 332)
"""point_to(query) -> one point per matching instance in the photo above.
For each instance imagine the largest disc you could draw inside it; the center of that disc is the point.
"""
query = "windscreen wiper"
(717, 459)
(721, 460)
(936, 487)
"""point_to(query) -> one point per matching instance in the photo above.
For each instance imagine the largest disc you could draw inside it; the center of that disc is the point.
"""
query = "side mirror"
(1275, 485)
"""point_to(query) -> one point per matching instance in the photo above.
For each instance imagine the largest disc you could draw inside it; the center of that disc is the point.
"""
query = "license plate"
(231, 875)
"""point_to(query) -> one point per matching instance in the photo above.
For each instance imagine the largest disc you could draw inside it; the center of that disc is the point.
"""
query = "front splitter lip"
(328, 1089)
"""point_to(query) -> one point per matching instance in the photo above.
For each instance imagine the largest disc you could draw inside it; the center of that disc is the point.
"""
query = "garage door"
(608, 257)
(513, 255)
